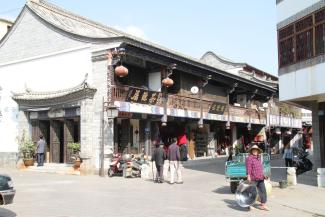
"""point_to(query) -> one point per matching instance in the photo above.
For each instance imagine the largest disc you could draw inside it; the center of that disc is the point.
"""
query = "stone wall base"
(8, 159)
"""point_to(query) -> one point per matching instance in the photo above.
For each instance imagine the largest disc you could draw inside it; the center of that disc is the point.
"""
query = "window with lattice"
(320, 39)
(304, 45)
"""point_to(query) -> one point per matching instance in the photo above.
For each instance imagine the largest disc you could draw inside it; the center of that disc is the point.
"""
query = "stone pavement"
(204, 193)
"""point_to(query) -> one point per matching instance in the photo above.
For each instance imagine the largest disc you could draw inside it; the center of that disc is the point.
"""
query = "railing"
(119, 93)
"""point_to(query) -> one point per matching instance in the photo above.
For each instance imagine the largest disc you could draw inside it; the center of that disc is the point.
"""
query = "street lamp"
(230, 91)
(202, 84)
(112, 112)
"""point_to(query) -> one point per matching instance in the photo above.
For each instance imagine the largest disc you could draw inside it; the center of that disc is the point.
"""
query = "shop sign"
(137, 95)
(124, 114)
(217, 108)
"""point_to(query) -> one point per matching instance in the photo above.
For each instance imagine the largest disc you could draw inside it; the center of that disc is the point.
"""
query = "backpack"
(183, 152)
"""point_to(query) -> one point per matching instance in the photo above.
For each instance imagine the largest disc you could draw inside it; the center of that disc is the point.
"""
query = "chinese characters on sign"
(142, 96)
(217, 108)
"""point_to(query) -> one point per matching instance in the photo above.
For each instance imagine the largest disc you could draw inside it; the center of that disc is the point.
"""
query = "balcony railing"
(119, 93)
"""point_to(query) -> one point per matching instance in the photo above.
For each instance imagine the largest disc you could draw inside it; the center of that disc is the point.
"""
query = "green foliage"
(74, 146)
(27, 148)
(238, 148)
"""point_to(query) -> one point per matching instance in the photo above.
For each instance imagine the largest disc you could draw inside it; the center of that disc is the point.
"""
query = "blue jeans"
(40, 159)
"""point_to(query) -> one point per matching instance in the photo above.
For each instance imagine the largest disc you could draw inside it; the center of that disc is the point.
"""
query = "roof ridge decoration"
(38, 95)
(222, 59)
(36, 5)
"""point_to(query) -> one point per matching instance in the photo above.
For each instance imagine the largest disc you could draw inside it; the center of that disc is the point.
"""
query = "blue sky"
(243, 31)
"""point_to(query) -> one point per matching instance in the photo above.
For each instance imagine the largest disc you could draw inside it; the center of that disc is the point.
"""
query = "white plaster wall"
(55, 72)
(47, 73)
(8, 123)
(288, 8)
(304, 82)
(3, 29)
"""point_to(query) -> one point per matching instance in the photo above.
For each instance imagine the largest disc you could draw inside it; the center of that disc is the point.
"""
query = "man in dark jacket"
(40, 150)
(159, 156)
(174, 162)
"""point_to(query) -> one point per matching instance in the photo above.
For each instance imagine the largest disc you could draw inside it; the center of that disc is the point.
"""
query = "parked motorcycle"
(302, 163)
(116, 166)
(133, 168)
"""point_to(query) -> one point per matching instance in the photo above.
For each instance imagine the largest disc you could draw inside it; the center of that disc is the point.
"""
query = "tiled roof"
(30, 95)
(78, 25)
(69, 22)
(81, 26)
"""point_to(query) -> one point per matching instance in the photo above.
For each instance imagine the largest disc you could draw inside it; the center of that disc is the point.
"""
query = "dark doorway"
(45, 131)
(61, 126)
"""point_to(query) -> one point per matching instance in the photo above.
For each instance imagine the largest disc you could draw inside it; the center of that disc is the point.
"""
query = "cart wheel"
(110, 172)
(233, 186)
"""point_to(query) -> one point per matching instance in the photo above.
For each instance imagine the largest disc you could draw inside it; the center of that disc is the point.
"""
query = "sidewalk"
(308, 199)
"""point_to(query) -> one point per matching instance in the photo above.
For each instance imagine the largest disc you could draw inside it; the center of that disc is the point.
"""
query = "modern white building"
(301, 49)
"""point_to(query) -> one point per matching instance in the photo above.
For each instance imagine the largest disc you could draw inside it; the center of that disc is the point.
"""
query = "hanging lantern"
(167, 82)
(121, 71)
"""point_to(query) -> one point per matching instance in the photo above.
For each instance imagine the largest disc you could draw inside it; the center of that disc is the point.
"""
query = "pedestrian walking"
(174, 162)
(288, 156)
(230, 152)
(40, 150)
(159, 156)
(255, 174)
(182, 143)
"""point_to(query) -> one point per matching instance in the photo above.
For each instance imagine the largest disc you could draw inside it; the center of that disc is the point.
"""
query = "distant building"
(301, 49)
(5, 26)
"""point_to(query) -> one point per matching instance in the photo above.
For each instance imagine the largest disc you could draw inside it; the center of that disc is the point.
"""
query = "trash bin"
(283, 184)
(321, 177)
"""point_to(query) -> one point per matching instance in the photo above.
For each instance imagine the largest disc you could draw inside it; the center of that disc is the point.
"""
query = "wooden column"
(68, 138)
(54, 142)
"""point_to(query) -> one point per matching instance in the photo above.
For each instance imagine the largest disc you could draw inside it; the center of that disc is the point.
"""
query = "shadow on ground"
(212, 165)
(6, 213)
(222, 190)
(233, 205)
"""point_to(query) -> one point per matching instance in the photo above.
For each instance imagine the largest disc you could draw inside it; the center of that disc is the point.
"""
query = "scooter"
(116, 166)
(302, 163)
(133, 168)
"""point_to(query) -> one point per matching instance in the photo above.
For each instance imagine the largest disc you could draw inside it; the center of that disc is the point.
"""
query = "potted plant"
(75, 148)
(27, 149)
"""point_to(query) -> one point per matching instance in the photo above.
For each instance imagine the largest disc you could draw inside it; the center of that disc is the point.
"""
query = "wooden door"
(35, 131)
(68, 138)
(125, 135)
(55, 141)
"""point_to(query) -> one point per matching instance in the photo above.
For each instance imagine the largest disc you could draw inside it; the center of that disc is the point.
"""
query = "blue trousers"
(40, 159)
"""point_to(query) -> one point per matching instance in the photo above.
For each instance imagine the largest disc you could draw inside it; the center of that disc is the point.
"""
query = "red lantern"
(167, 82)
(121, 71)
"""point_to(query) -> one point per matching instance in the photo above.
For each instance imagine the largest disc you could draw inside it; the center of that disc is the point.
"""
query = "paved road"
(204, 193)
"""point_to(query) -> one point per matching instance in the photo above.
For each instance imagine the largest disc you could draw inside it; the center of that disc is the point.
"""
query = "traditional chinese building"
(68, 83)
(5, 26)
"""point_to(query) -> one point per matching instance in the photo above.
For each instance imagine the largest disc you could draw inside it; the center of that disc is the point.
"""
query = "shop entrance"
(57, 133)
